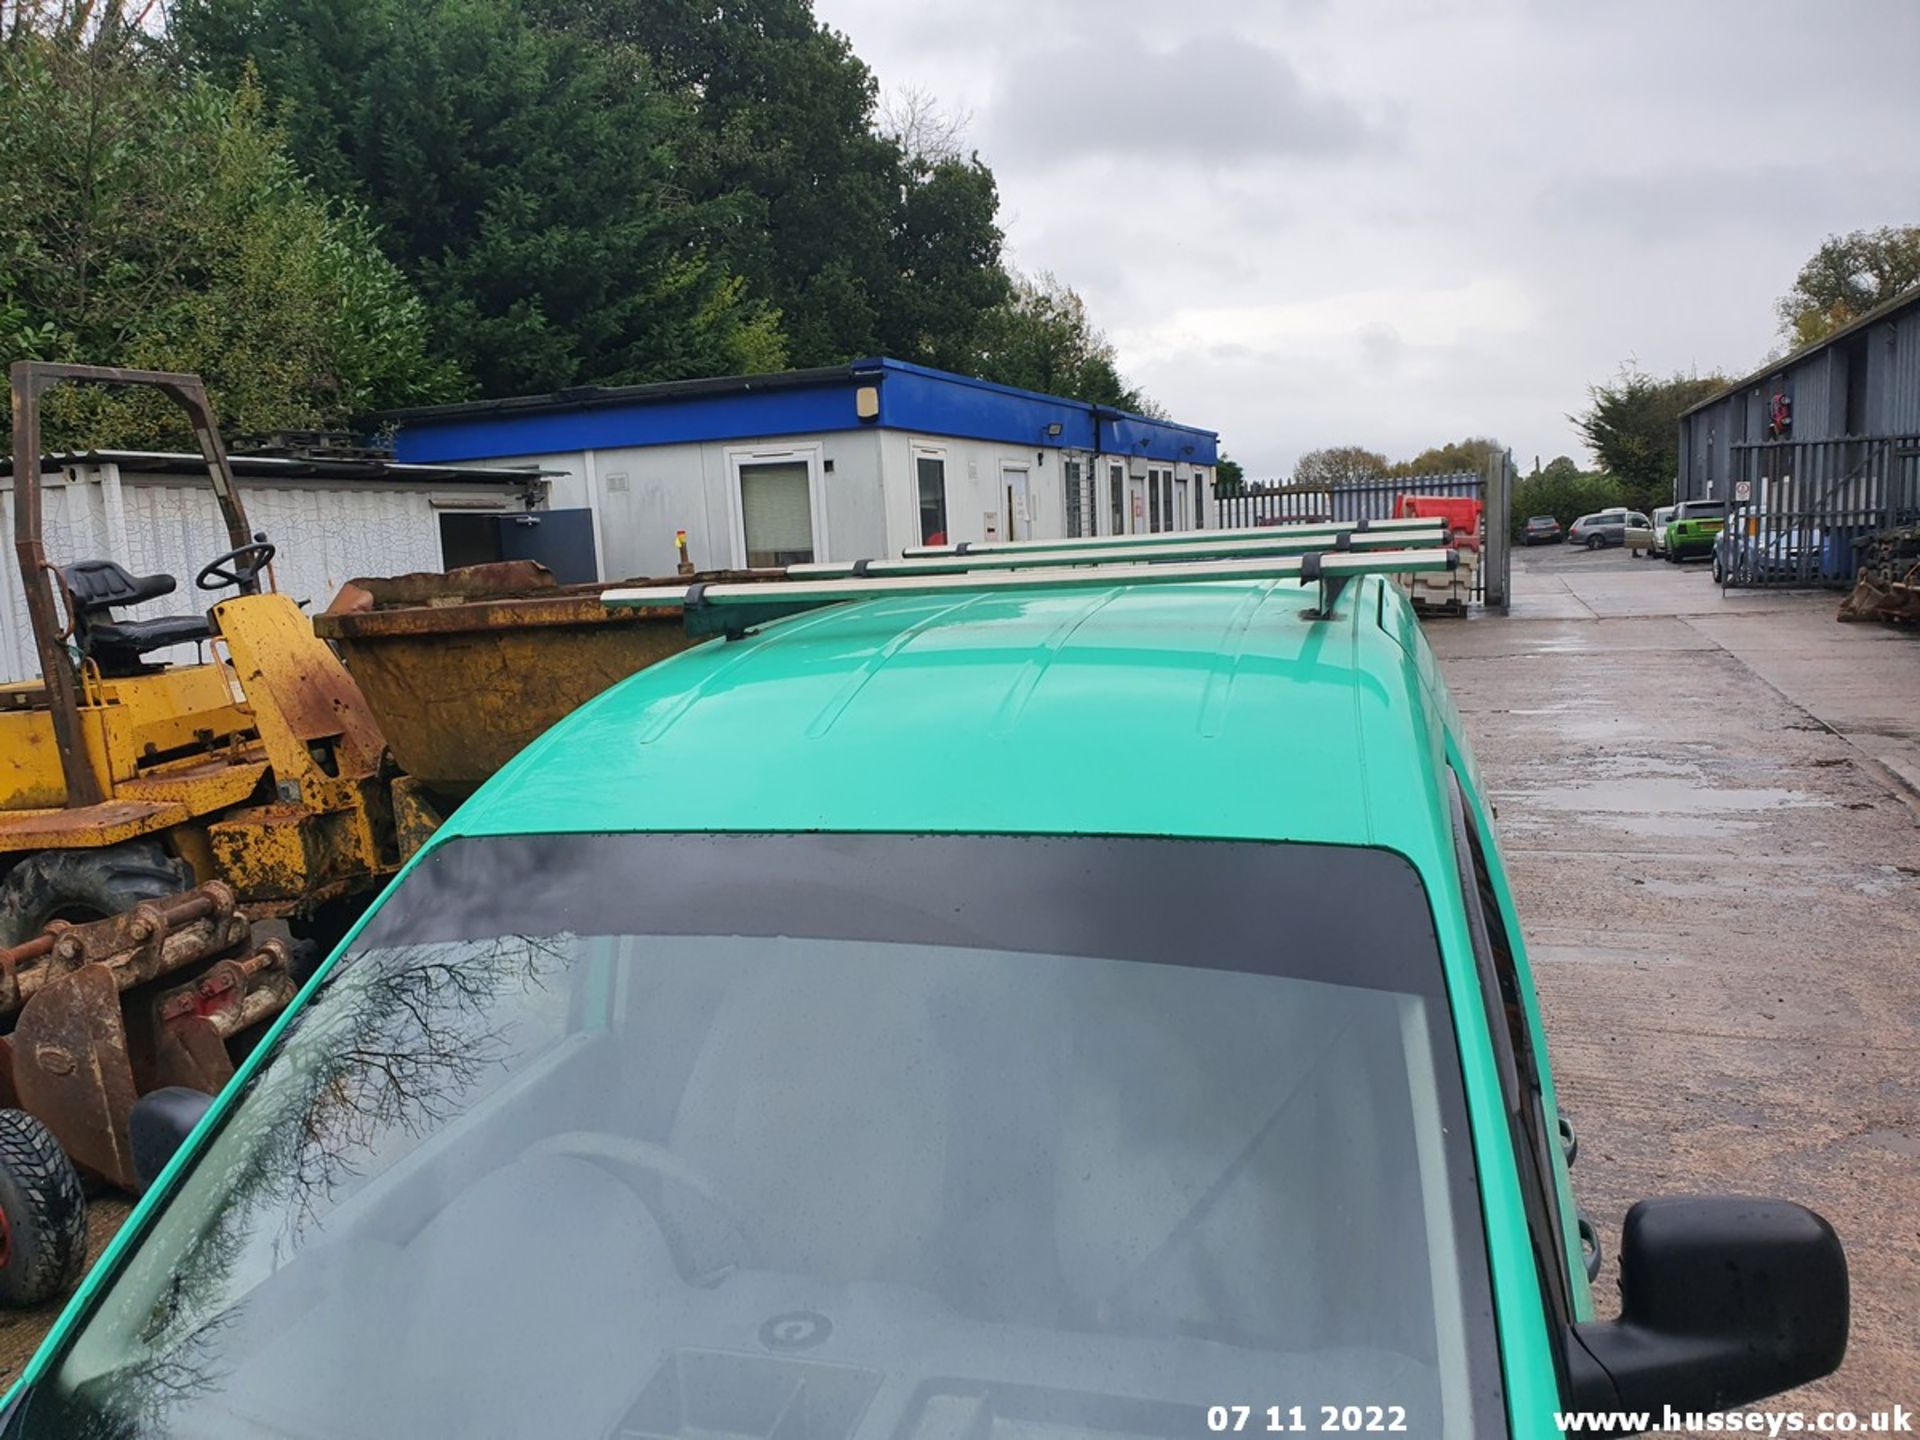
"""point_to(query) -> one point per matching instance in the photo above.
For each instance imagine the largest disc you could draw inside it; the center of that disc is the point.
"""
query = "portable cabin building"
(838, 463)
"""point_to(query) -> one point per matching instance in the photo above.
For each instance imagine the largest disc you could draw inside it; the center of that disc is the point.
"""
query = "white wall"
(641, 495)
(866, 505)
(327, 533)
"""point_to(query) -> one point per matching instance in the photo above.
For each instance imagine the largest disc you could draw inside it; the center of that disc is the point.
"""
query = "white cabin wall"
(327, 533)
(643, 494)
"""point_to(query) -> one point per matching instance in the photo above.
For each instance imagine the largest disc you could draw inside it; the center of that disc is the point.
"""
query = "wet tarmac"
(1702, 799)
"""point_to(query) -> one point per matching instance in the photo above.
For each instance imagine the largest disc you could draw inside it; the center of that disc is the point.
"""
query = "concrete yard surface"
(1703, 802)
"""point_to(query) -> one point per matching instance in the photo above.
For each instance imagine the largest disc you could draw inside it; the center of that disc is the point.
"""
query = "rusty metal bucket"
(463, 670)
(93, 1029)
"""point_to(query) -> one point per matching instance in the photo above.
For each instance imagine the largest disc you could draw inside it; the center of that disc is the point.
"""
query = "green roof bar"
(1325, 528)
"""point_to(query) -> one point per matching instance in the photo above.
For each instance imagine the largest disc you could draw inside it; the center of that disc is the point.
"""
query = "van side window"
(1514, 1053)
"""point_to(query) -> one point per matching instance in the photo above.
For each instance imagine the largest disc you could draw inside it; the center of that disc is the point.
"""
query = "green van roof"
(1213, 709)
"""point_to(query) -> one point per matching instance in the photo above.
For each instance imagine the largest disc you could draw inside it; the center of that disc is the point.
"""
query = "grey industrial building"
(1823, 444)
(1861, 381)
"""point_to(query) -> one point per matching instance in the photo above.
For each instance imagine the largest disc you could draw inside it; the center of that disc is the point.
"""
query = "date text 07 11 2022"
(1309, 1419)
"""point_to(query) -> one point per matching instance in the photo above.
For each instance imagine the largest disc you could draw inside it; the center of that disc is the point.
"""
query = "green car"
(1083, 1012)
(1695, 525)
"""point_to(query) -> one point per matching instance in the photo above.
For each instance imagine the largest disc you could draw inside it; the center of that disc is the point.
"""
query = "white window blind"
(776, 512)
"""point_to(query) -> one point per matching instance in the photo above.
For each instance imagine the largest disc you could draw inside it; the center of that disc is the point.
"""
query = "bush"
(1562, 491)
(156, 222)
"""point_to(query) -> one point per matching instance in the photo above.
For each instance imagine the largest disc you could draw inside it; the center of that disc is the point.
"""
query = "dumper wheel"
(43, 1213)
(85, 885)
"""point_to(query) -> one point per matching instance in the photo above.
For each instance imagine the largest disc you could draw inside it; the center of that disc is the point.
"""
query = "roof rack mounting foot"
(1331, 584)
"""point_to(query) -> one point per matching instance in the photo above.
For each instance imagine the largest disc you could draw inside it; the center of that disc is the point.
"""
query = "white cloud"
(1398, 222)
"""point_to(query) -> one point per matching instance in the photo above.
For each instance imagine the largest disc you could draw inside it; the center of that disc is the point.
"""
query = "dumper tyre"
(43, 1214)
(84, 885)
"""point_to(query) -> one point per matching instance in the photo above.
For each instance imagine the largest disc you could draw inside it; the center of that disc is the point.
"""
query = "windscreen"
(814, 1137)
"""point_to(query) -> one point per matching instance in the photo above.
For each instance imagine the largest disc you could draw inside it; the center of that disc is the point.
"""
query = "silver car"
(1603, 527)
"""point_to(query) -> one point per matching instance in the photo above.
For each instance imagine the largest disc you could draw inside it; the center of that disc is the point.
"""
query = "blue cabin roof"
(792, 402)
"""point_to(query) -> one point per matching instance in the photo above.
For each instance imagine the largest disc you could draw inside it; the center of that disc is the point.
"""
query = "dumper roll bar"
(31, 380)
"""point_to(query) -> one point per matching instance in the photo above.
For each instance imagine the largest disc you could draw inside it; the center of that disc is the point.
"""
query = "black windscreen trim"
(1342, 915)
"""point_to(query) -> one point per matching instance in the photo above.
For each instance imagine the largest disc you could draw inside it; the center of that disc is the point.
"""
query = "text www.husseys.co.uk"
(1897, 1421)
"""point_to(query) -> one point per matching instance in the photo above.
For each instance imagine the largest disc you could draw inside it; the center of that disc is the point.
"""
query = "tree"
(1339, 465)
(155, 222)
(945, 260)
(871, 231)
(1633, 426)
(1043, 339)
(1472, 455)
(1229, 476)
(1563, 491)
(782, 142)
(1848, 276)
(534, 181)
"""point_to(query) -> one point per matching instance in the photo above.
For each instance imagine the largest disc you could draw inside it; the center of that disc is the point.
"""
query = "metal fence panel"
(1800, 509)
(1379, 499)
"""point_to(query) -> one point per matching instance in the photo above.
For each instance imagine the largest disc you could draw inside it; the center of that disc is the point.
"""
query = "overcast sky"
(1321, 222)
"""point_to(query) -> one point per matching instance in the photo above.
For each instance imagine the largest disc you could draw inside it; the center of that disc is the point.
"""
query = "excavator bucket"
(96, 1028)
(72, 1070)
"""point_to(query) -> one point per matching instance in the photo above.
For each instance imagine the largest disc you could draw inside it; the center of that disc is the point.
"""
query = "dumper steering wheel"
(247, 561)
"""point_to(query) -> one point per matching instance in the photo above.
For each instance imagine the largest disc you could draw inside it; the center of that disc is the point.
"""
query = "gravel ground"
(1721, 899)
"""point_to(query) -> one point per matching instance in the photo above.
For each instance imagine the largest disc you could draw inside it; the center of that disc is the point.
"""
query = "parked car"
(809, 1037)
(1765, 555)
(1604, 527)
(1691, 531)
(1541, 530)
(1638, 533)
(1662, 517)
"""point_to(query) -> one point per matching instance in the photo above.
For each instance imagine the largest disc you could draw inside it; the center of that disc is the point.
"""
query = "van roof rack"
(1191, 545)
(1158, 539)
(731, 609)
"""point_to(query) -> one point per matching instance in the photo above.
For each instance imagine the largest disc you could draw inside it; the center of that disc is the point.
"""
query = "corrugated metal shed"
(1862, 380)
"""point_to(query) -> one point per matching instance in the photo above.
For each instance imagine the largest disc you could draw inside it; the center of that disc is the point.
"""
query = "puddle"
(1680, 792)
(1895, 1141)
(1886, 880)
(1674, 805)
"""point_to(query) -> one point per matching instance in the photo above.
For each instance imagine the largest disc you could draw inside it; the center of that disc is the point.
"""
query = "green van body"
(1218, 711)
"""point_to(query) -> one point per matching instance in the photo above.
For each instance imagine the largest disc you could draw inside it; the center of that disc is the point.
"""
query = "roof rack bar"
(1171, 537)
(1343, 564)
(1201, 546)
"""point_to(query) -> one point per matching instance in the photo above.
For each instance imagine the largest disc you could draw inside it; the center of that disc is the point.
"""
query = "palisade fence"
(1799, 509)
(1287, 503)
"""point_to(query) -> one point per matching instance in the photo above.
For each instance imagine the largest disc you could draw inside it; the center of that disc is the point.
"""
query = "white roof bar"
(1336, 567)
(1201, 545)
(1173, 537)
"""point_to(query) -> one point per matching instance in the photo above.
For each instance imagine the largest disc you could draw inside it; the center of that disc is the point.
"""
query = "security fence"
(1800, 510)
(1379, 499)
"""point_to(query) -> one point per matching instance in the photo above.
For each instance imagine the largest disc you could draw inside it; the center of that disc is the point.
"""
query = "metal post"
(29, 381)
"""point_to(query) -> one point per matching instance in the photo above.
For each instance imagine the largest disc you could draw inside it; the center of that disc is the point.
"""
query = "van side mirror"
(160, 1120)
(1724, 1301)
